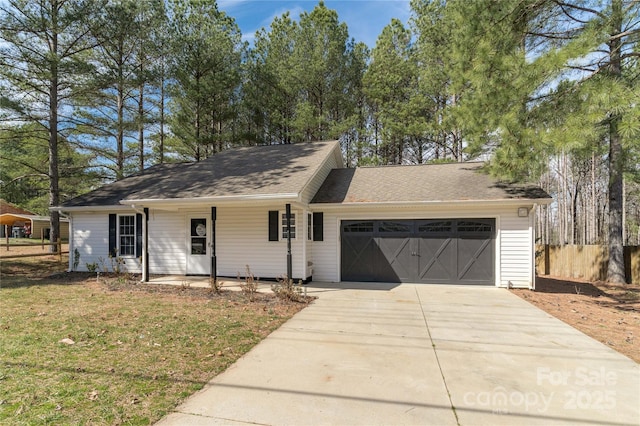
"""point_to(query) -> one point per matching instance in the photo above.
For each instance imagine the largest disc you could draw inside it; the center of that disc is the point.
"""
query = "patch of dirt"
(35, 249)
(48, 270)
(115, 283)
(608, 313)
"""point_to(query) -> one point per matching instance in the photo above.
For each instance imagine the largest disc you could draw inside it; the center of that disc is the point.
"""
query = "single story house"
(296, 210)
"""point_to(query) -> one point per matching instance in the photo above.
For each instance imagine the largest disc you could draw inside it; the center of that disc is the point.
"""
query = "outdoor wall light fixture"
(523, 212)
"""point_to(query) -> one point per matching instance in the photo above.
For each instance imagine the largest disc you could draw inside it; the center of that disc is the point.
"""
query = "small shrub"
(286, 289)
(76, 259)
(92, 267)
(249, 286)
(116, 264)
(215, 285)
(103, 265)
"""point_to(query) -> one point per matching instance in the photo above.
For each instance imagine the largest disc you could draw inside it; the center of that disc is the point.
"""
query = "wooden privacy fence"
(587, 262)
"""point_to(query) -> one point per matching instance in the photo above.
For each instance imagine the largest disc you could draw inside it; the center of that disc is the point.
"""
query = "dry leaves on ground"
(606, 312)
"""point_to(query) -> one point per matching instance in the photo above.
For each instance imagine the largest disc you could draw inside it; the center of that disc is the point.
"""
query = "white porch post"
(145, 246)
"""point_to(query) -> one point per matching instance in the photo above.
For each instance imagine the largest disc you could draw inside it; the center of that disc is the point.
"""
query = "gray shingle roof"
(252, 171)
(419, 183)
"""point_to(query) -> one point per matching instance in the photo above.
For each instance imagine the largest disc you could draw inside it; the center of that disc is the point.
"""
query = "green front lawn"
(137, 351)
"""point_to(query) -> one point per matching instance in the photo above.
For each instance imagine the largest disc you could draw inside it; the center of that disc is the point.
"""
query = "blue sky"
(365, 18)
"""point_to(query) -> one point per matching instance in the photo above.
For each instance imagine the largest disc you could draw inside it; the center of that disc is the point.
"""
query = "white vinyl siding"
(316, 182)
(326, 253)
(242, 238)
(516, 242)
(167, 242)
(91, 239)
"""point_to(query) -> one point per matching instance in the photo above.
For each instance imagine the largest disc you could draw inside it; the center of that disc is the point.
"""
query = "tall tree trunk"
(141, 124)
(54, 178)
(594, 204)
(120, 134)
(615, 271)
(162, 102)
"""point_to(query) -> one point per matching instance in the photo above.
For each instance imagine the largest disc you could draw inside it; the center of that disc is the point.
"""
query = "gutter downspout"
(145, 240)
(71, 249)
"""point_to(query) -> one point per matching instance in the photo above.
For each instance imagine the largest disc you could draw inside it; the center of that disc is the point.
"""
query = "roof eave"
(335, 152)
(506, 201)
(182, 202)
(92, 208)
(225, 199)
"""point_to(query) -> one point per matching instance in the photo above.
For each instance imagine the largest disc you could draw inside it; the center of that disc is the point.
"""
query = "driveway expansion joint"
(435, 353)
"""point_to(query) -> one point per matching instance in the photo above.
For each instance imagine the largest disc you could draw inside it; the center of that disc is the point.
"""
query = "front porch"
(201, 281)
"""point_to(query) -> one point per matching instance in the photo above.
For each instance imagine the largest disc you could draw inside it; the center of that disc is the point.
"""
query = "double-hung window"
(126, 235)
(283, 222)
(278, 226)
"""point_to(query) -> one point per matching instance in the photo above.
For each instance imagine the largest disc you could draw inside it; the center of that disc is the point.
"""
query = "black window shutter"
(273, 225)
(138, 234)
(318, 226)
(112, 234)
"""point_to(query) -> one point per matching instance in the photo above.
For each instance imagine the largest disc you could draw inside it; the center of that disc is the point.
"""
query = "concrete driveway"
(420, 354)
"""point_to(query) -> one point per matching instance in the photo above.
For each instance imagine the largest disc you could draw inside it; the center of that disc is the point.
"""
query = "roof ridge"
(419, 165)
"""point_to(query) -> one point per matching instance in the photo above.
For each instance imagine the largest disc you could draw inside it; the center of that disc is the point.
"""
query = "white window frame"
(119, 236)
(283, 225)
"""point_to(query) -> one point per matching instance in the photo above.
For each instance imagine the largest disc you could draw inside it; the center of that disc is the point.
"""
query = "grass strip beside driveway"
(130, 356)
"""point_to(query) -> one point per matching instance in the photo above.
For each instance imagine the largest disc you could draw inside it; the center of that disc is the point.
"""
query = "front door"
(198, 250)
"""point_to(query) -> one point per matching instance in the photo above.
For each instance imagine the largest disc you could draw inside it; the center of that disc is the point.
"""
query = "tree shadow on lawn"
(557, 285)
(18, 273)
(623, 296)
(107, 372)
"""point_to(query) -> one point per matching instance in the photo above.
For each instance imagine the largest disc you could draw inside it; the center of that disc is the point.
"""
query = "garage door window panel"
(392, 228)
(435, 227)
(358, 228)
(469, 228)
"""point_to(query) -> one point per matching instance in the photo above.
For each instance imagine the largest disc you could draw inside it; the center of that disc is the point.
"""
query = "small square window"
(283, 217)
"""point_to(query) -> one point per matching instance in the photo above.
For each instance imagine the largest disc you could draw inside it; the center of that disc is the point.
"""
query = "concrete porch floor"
(202, 281)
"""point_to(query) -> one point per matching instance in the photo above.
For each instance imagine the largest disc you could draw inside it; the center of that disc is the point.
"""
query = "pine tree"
(320, 59)
(390, 84)
(271, 91)
(547, 77)
(43, 47)
(207, 53)
(108, 113)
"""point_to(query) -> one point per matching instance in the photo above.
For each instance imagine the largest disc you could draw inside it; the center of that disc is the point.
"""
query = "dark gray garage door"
(452, 251)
